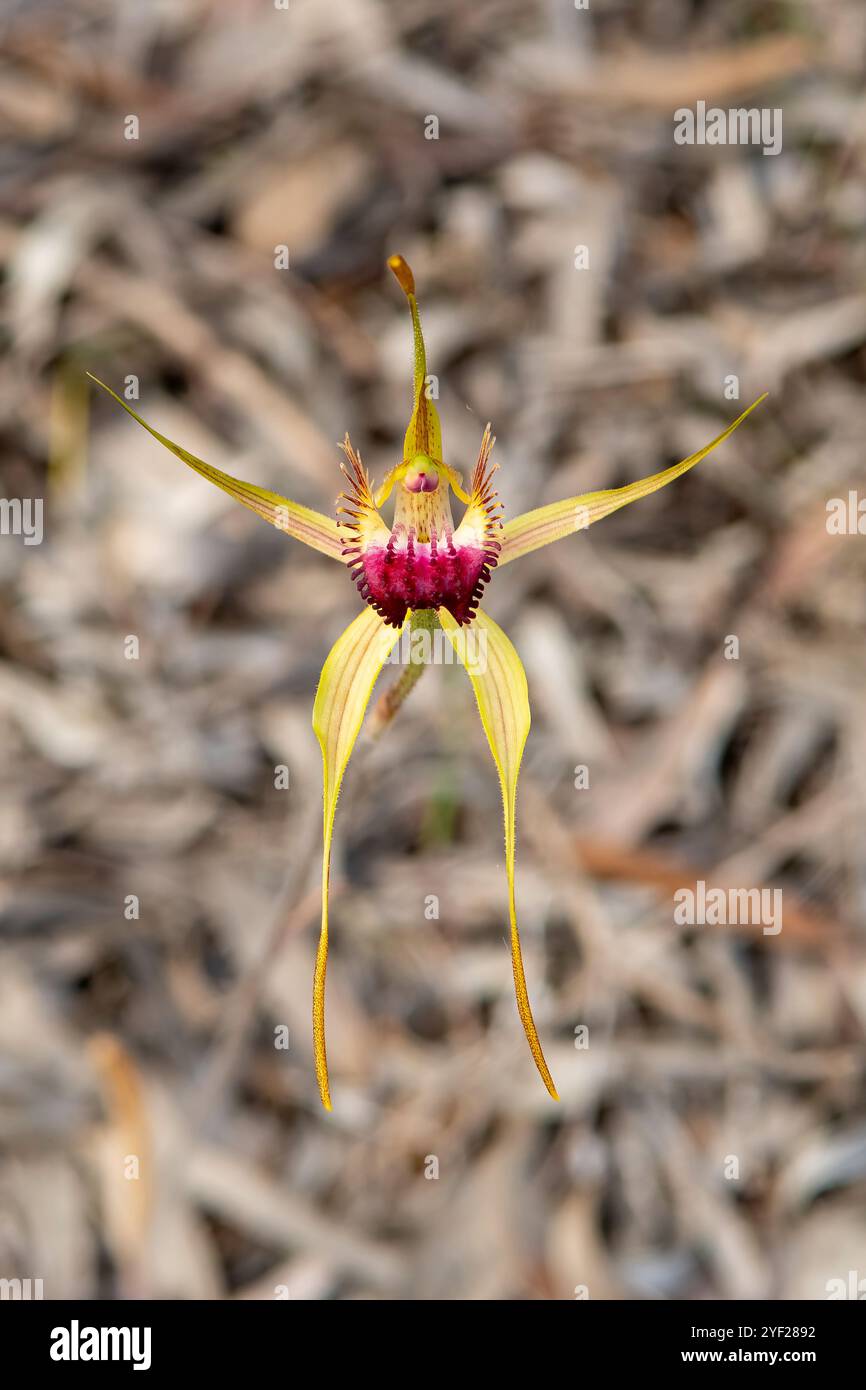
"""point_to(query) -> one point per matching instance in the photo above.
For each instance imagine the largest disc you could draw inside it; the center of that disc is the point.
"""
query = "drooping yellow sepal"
(318, 531)
(345, 686)
(424, 435)
(499, 681)
(546, 524)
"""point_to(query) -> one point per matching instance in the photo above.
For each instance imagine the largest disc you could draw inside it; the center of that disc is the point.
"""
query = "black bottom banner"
(82, 1339)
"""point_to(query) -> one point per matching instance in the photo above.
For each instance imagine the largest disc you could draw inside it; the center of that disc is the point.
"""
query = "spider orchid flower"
(422, 570)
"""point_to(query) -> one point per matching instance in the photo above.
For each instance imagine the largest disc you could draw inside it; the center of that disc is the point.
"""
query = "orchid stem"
(391, 700)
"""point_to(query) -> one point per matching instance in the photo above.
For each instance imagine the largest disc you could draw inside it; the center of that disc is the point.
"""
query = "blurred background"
(159, 902)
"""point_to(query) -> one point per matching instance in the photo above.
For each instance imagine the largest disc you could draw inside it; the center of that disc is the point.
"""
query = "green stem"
(389, 703)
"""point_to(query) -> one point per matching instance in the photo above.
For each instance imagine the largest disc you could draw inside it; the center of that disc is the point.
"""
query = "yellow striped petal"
(313, 528)
(345, 686)
(545, 524)
(499, 681)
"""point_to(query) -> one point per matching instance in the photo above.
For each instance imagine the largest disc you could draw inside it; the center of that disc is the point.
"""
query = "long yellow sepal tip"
(525, 1011)
(405, 278)
(319, 1051)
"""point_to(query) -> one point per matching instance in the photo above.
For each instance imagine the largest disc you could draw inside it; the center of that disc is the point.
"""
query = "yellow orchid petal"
(534, 529)
(424, 435)
(481, 522)
(345, 686)
(499, 681)
(313, 528)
